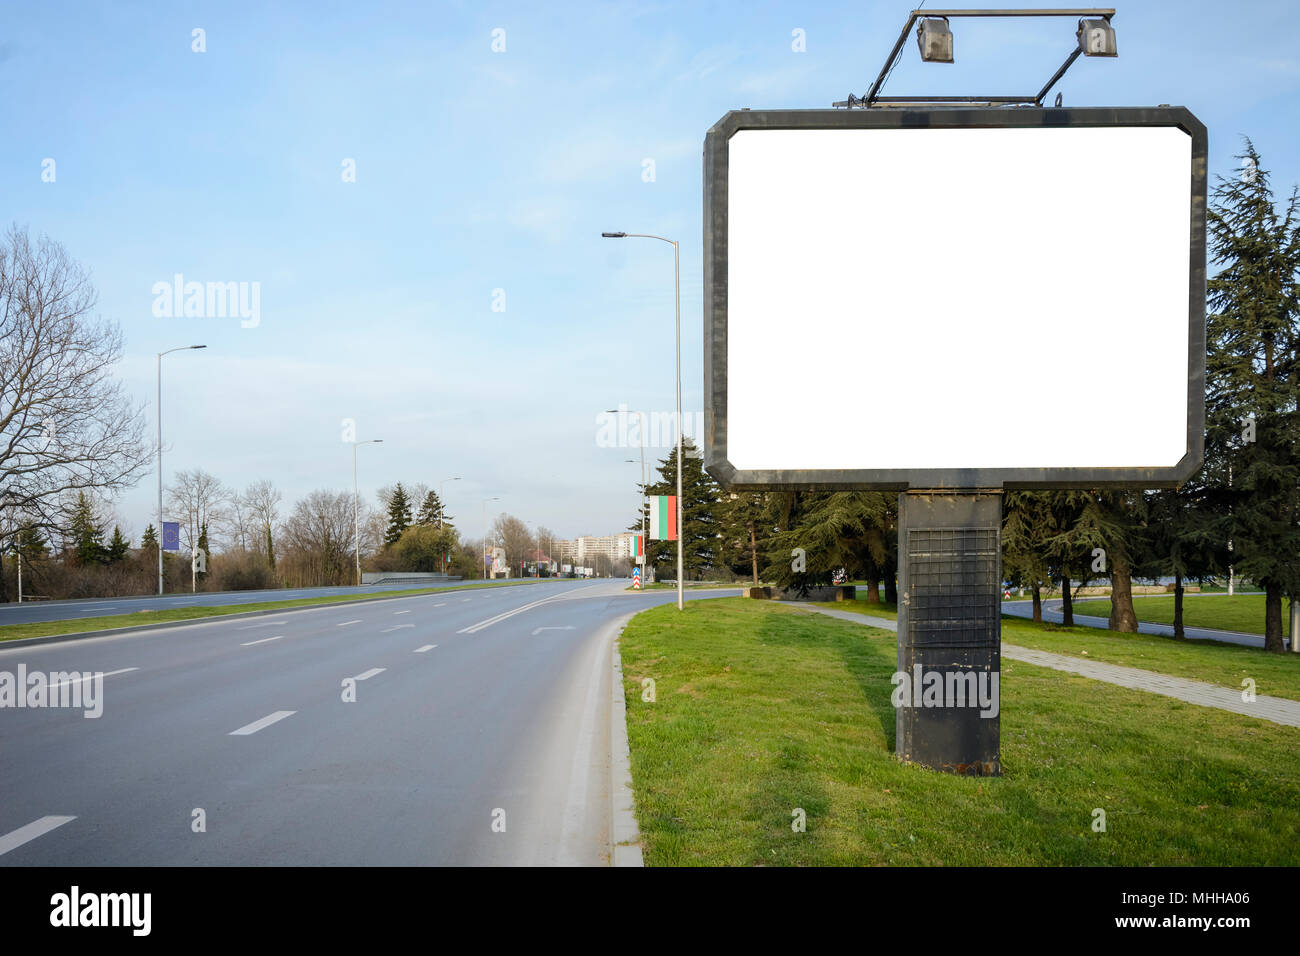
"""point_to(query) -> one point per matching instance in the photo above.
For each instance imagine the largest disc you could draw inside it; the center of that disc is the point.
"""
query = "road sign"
(636, 578)
(977, 259)
(171, 535)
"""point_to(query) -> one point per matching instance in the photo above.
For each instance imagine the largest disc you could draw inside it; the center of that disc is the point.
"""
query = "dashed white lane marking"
(443, 604)
(396, 627)
(370, 673)
(16, 838)
(427, 647)
(346, 623)
(265, 722)
(401, 612)
(262, 641)
(78, 680)
(249, 627)
(465, 600)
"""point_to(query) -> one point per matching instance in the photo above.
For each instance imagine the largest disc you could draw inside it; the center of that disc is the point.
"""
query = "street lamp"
(180, 348)
(356, 505)
(677, 301)
(485, 532)
(442, 510)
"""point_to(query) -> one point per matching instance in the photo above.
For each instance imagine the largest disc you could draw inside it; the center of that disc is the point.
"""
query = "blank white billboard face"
(958, 298)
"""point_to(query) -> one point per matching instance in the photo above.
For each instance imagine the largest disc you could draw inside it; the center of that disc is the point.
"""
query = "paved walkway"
(1275, 709)
(1053, 614)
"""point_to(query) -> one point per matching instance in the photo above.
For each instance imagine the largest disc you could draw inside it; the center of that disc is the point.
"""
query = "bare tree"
(513, 535)
(66, 425)
(317, 538)
(261, 504)
(197, 498)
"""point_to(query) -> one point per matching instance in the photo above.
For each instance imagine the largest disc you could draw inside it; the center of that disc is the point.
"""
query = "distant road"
(1053, 614)
(28, 612)
(470, 708)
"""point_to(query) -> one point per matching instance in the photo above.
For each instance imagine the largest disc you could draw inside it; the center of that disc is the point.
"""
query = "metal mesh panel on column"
(953, 589)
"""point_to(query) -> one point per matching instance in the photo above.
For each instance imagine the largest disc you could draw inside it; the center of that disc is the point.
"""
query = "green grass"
(672, 586)
(761, 709)
(14, 632)
(1241, 612)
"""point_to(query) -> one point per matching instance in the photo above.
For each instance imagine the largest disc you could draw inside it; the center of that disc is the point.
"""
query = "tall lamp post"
(442, 510)
(179, 348)
(356, 504)
(485, 533)
(677, 301)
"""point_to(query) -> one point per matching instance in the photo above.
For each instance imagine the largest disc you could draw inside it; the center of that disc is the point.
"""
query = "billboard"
(954, 298)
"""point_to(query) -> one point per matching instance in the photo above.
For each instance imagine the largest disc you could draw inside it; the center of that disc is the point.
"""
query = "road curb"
(211, 619)
(624, 834)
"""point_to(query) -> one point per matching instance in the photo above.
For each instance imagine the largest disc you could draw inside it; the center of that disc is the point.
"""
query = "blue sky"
(477, 171)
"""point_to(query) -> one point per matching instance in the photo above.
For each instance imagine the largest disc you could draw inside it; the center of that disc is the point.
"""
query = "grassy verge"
(672, 586)
(14, 632)
(761, 710)
(1241, 612)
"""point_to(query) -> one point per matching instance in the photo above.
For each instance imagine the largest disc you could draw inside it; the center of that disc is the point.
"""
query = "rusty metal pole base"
(947, 690)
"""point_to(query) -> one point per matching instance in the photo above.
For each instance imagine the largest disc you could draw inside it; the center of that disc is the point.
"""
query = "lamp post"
(442, 510)
(179, 348)
(356, 504)
(485, 532)
(677, 302)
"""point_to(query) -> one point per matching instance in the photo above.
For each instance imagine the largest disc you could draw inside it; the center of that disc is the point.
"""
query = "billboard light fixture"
(1096, 38)
(935, 40)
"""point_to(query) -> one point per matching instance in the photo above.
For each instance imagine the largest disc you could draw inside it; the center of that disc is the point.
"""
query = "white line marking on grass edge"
(370, 673)
(346, 623)
(262, 641)
(265, 722)
(16, 838)
(427, 647)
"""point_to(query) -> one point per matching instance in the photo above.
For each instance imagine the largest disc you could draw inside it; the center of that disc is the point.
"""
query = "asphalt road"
(29, 611)
(470, 707)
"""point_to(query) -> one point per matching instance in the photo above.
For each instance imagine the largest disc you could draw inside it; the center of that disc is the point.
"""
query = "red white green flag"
(663, 517)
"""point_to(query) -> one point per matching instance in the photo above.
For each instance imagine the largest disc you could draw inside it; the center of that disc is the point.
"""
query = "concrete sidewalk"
(1275, 709)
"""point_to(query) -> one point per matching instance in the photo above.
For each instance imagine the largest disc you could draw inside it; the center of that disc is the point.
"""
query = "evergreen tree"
(31, 544)
(431, 512)
(149, 540)
(117, 546)
(745, 532)
(399, 515)
(1027, 524)
(270, 549)
(1253, 383)
(203, 546)
(86, 533)
(700, 516)
(821, 532)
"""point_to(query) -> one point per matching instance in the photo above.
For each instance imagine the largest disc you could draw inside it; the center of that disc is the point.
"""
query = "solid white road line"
(538, 630)
(346, 623)
(475, 628)
(427, 647)
(370, 673)
(78, 680)
(16, 838)
(262, 641)
(266, 721)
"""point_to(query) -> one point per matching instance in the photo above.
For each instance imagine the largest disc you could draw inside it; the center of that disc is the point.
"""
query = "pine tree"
(399, 515)
(86, 533)
(431, 512)
(821, 532)
(745, 532)
(117, 546)
(31, 544)
(1253, 383)
(701, 506)
(270, 549)
(150, 538)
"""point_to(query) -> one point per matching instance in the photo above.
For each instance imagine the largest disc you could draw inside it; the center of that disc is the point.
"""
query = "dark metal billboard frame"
(716, 157)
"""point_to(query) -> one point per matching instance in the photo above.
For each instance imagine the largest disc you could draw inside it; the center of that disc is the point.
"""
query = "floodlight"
(1096, 38)
(935, 40)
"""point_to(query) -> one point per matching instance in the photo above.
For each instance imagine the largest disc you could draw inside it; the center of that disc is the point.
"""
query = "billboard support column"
(947, 693)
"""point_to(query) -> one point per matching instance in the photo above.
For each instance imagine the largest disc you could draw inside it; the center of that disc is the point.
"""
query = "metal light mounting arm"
(1106, 47)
